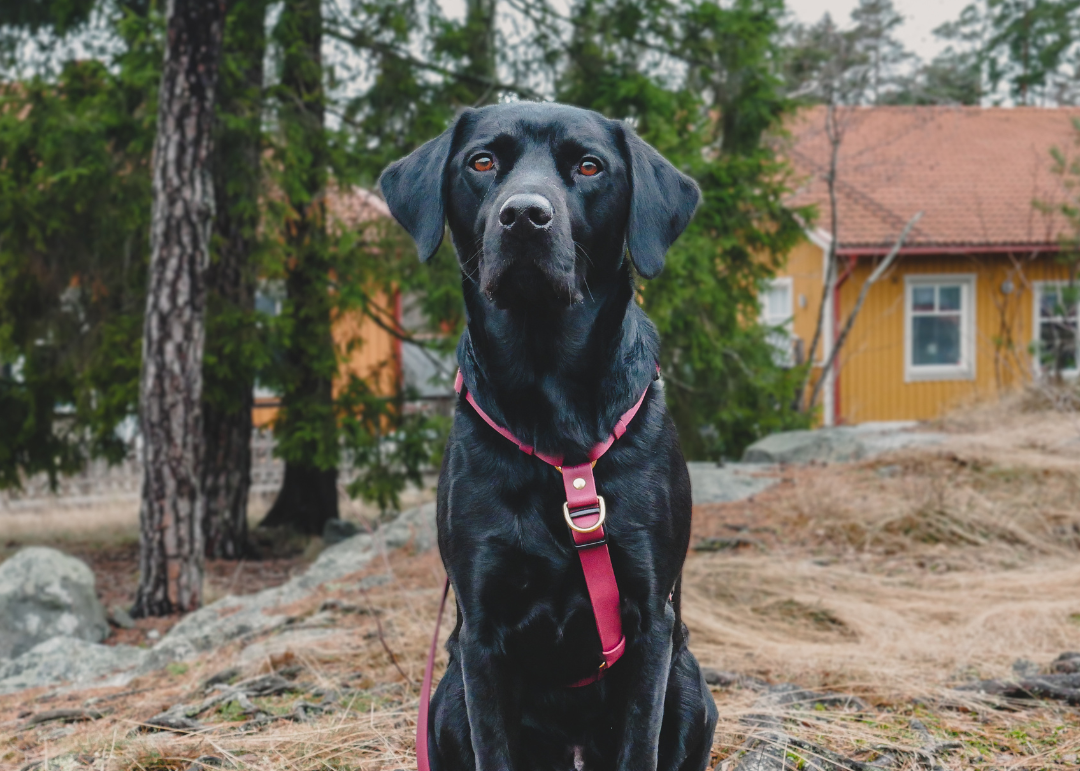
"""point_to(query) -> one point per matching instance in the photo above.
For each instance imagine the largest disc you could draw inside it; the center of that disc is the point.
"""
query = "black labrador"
(544, 202)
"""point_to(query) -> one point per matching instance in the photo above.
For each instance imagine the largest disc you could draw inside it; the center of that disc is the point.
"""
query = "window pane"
(778, 304)
(935, 340)
(949, 298)
(922, 298)
(1057, 345)
(1048, 302)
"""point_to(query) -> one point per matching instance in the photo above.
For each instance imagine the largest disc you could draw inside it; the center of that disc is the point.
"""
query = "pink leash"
(585, 512)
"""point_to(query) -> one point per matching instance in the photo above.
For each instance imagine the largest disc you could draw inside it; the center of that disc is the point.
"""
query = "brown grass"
(891, 579)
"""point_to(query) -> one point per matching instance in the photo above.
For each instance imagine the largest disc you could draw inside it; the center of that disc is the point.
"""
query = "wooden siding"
(872, 374)
(804, 267)
(364, 348)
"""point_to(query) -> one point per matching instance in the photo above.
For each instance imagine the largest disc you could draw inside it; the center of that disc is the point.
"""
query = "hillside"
(908, 611)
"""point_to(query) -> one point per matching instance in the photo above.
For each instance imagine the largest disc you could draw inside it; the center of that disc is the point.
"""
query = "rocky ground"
(909, 607)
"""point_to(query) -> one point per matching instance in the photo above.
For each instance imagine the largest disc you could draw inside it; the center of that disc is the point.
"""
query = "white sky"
(920, 18)
(917, 31)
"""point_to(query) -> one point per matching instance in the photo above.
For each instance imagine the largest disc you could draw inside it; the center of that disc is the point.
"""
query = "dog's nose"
(526, 210)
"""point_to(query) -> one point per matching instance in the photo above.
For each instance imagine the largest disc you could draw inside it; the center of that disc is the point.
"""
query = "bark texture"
(231, 281)
(306, 429)
(170, 389)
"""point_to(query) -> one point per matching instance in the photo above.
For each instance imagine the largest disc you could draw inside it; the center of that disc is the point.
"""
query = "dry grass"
(892, 580)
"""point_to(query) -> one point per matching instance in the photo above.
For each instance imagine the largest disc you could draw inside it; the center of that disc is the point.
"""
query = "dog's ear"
(414, 188)
(662, 201)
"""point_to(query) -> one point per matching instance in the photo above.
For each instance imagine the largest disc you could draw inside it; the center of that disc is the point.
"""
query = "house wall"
(872, 377)
(365, 348)
(804, 267)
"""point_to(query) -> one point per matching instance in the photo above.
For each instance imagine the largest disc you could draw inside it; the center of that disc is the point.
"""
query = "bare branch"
(360, 39)
(877, 274)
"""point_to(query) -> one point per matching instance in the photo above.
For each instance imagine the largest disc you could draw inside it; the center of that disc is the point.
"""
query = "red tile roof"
(974, 172)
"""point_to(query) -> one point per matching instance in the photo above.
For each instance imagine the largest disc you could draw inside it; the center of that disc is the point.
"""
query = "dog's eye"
(589, 167)
(483, 162)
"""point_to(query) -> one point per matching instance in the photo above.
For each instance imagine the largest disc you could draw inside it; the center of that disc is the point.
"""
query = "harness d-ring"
(600, 509)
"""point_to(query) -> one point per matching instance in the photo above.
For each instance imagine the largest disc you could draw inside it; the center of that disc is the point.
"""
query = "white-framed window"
(777, 312)
(1055, 336)
(939, 327)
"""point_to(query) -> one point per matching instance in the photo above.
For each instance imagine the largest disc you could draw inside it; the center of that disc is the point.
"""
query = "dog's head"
(541, 199)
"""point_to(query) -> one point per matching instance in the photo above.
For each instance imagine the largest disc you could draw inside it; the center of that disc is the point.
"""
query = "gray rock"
(67, 659)
(119, 616)
(337, 530)
(232, 618)
(826, 444)
(837, 444)
(45, 593)
(710, 483)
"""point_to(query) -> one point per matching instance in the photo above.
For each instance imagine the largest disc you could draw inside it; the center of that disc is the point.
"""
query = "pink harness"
(585, 512)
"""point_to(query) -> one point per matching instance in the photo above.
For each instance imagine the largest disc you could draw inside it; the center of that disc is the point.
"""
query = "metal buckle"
(601, 508)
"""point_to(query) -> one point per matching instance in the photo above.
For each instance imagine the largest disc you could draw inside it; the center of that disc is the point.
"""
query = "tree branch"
(360, 39)
(877, 274)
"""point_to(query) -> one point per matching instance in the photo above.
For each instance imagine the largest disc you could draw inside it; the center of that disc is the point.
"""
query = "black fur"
(557, 350)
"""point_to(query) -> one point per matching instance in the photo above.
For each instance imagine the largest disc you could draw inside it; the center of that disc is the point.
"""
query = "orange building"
(365, 348)
(971, 305)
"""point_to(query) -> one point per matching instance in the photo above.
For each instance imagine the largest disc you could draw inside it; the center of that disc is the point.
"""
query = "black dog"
(543, 202)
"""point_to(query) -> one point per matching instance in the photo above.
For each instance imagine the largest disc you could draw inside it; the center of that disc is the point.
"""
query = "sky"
(916, 33)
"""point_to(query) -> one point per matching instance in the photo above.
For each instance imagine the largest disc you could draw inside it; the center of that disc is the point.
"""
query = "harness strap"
(422, 720)
(585, 512)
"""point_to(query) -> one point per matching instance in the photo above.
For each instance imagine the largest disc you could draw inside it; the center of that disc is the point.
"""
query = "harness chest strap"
(585, 512)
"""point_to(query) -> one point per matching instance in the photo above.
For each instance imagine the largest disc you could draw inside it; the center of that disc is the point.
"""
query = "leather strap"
(585, 509)
(581, 497)
(422, 720)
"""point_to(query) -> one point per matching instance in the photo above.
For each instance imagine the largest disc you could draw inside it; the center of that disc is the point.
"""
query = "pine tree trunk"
(170, 388)
(231, 281)
(306, 429)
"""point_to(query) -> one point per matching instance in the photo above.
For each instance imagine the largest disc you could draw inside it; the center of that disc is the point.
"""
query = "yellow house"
(367, 349)
(971, 304)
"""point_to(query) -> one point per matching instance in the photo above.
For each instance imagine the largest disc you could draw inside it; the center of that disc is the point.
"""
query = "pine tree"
(170, 403)
(875, 24)
(306, 429)
(234, 348)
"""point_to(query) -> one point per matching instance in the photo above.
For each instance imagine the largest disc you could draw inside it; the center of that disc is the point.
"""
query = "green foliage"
(58, 15)
(74, 221)
(700, 80)
(1031, 47)
(713, 121)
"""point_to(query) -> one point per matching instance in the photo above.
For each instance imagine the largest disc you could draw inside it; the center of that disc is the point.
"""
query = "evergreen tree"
(825, 64)
(701, 82)
(235, 348)
(170, 388)
(876, 22)
(74, 228)
(306, 429)
(1030, 47)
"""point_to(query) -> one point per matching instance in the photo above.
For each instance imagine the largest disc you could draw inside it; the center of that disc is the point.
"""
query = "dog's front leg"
(488, 701)
(645, 695)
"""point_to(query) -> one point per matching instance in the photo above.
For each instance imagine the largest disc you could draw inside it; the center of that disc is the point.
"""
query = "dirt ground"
(896, 582)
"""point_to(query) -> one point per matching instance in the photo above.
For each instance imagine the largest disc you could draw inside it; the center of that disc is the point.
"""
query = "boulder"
(338, 530)
(710, 483)
(67, 659)
(230, 618)
(824, 444)
(837, 444)
(247, 616)
(45, 593)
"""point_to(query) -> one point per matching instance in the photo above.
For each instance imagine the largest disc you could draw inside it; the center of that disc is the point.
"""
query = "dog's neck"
(559, 377)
